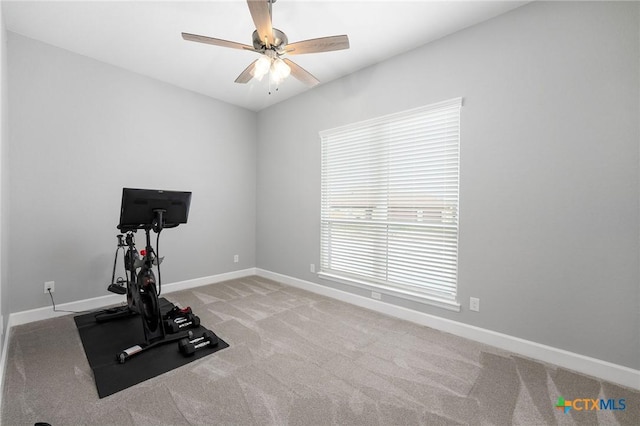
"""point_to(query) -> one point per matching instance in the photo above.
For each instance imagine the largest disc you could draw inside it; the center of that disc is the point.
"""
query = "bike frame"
(142, 297)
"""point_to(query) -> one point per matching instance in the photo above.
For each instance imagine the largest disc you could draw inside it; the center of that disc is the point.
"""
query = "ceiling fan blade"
(216, 41)
(246, 75)
(301, 74)
(316, 45)
(261, 14)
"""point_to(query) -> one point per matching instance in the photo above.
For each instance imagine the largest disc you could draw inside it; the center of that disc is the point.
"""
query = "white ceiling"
(144, 36)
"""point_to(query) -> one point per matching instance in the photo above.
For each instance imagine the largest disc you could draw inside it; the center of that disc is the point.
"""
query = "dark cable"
(62, 310)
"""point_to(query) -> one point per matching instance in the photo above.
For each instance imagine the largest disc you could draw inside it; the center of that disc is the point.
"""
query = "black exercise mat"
(103, 341)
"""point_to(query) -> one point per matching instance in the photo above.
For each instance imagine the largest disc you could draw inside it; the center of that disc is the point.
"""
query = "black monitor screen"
(139, 207)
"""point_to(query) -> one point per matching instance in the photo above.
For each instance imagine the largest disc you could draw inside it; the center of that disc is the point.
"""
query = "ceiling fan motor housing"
(280, 41)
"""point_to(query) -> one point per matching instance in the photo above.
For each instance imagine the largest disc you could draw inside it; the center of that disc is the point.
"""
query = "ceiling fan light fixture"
(279, 70)
(261, 68)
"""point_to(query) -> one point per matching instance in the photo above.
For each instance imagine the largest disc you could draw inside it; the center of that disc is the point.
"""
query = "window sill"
(415, 297)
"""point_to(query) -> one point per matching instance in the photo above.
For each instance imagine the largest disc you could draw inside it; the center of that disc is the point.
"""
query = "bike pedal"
(116, 288)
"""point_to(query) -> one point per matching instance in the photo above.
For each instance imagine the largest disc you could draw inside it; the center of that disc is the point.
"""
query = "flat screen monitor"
(140, 206)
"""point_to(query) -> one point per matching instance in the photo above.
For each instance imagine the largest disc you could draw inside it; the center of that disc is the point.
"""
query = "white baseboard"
(583, 364)
(212, 279)
(24, 317)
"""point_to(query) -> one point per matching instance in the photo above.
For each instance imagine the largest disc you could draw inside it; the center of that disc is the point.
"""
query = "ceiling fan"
(273, 45)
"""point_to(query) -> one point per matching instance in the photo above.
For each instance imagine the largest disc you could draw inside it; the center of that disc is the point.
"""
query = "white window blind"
(389, 217)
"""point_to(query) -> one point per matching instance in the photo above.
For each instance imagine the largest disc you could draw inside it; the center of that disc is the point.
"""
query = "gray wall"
(80, 131)
(549, 170)
(4, 177)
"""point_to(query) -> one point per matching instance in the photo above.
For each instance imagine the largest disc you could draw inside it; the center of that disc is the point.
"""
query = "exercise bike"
(144, 210)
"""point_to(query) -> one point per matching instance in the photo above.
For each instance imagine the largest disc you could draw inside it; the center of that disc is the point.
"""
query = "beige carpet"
(299, 358)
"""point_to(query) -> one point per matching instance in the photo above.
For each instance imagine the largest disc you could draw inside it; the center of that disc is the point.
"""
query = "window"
(389, 219)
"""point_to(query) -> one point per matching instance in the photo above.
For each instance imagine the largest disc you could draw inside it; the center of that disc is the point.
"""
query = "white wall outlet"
(49, 285)
(474, 304)
(312, 268)
(376, 295)
(236, 258)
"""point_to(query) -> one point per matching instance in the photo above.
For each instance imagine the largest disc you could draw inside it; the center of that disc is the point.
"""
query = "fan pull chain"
(276, 84)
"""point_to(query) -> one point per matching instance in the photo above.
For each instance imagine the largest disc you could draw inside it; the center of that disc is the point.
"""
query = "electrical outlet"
(474, 304)
(49, 285)
(236, 258)
(376, 295)
(312, 268)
